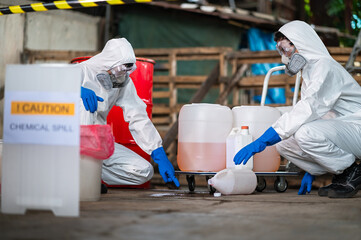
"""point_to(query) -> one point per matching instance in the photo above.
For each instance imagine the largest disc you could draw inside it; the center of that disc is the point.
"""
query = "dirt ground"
(162, 213)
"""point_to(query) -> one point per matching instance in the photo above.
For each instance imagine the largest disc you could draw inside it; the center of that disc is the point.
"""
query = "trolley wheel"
(210, 188)
(191, 182)
(261, 184)
(281, 184)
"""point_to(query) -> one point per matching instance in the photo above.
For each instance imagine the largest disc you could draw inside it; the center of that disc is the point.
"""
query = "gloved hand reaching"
(268, 138)
(166, 169)
(306, 184)
(90, 100)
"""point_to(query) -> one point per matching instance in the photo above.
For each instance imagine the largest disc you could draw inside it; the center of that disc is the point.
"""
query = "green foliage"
(308, 9)
(336, 8)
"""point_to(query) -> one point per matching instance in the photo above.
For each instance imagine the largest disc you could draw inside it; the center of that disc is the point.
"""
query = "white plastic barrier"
(40, 165)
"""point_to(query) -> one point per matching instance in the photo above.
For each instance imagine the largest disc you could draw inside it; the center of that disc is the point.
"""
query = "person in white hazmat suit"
(106, 79)
(322, 132)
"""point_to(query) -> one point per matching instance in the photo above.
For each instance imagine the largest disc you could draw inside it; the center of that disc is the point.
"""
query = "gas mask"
(109, 81)
(294, 61)
(295, 64)
(116, 77)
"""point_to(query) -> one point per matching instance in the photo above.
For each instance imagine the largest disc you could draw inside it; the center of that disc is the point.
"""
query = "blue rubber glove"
(306, 184)
(90, 100)
(166, 169)
(268, 138)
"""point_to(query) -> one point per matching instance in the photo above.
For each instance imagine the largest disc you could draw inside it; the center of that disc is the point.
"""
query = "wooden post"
(233, 82)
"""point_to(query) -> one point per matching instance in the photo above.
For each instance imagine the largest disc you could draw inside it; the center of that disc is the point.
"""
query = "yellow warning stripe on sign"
(115, 2)
(42, 108)
(16, 9)
(62, 5)
(39, 7)
(67, 4)
(87, 3)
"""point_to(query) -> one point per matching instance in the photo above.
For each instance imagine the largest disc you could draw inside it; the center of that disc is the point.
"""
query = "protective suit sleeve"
(140, 126)
(318, 98)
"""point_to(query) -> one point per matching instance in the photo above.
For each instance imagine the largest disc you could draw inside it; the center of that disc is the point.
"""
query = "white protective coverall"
(124, 167)
(322, 133)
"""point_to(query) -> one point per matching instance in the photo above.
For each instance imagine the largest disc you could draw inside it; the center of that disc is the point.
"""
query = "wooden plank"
(198, 57)
(161, 94)
(182, 51)
(54, 55)
(160, 120)
(190, 79)
(259, 60)
(172, 86)
(232, 83)
(246, 54)
(160, 109)
(275, 81)
(180, 79)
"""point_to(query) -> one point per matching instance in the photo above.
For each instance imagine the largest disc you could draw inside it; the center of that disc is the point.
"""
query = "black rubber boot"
(104, 189)
(323, 191)
(336, 180)
(350, 187)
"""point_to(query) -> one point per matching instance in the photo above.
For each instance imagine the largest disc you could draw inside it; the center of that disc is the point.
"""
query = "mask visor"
(284, 47)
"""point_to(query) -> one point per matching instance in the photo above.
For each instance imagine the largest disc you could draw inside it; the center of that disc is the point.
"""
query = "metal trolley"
(280, 184)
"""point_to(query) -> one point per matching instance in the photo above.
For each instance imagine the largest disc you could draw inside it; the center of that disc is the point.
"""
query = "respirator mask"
(116, 77)
(294, 61)
(295, 64)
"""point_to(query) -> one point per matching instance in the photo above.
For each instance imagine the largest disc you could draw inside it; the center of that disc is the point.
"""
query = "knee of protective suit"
(150, 171)
(144, 173)
(308, 136)
(279, 147)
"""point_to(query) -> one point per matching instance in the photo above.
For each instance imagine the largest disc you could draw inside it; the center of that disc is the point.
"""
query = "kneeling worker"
(106, 79)
(322, 133)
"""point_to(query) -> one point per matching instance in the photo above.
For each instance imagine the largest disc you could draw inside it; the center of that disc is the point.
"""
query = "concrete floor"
(162, 213)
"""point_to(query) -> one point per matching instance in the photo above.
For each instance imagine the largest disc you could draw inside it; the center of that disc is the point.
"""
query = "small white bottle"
(236, 140)
(234, 181)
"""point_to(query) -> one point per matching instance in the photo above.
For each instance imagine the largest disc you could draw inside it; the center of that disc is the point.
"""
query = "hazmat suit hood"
(306, 40)
(115, 52)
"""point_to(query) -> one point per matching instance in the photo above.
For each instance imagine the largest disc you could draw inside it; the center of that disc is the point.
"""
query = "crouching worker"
(322, 133)
(106, 83)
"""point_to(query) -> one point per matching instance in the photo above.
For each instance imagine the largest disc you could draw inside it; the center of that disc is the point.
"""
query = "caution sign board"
(41, 117)
(41, 139)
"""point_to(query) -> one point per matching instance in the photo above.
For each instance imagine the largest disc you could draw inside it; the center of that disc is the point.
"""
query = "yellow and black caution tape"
(65, 4)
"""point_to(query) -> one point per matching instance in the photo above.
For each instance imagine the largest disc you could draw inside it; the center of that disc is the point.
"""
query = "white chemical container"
(259, 119)
(236, 140)
(90, 178)
(96, 144)
(203, 130)
(234, 181)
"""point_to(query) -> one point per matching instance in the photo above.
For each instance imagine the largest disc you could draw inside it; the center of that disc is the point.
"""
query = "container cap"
(244, 127)
(217, 194)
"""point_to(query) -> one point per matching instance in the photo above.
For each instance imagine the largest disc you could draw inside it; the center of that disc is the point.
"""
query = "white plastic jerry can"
(235, 180)
(236, 140)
